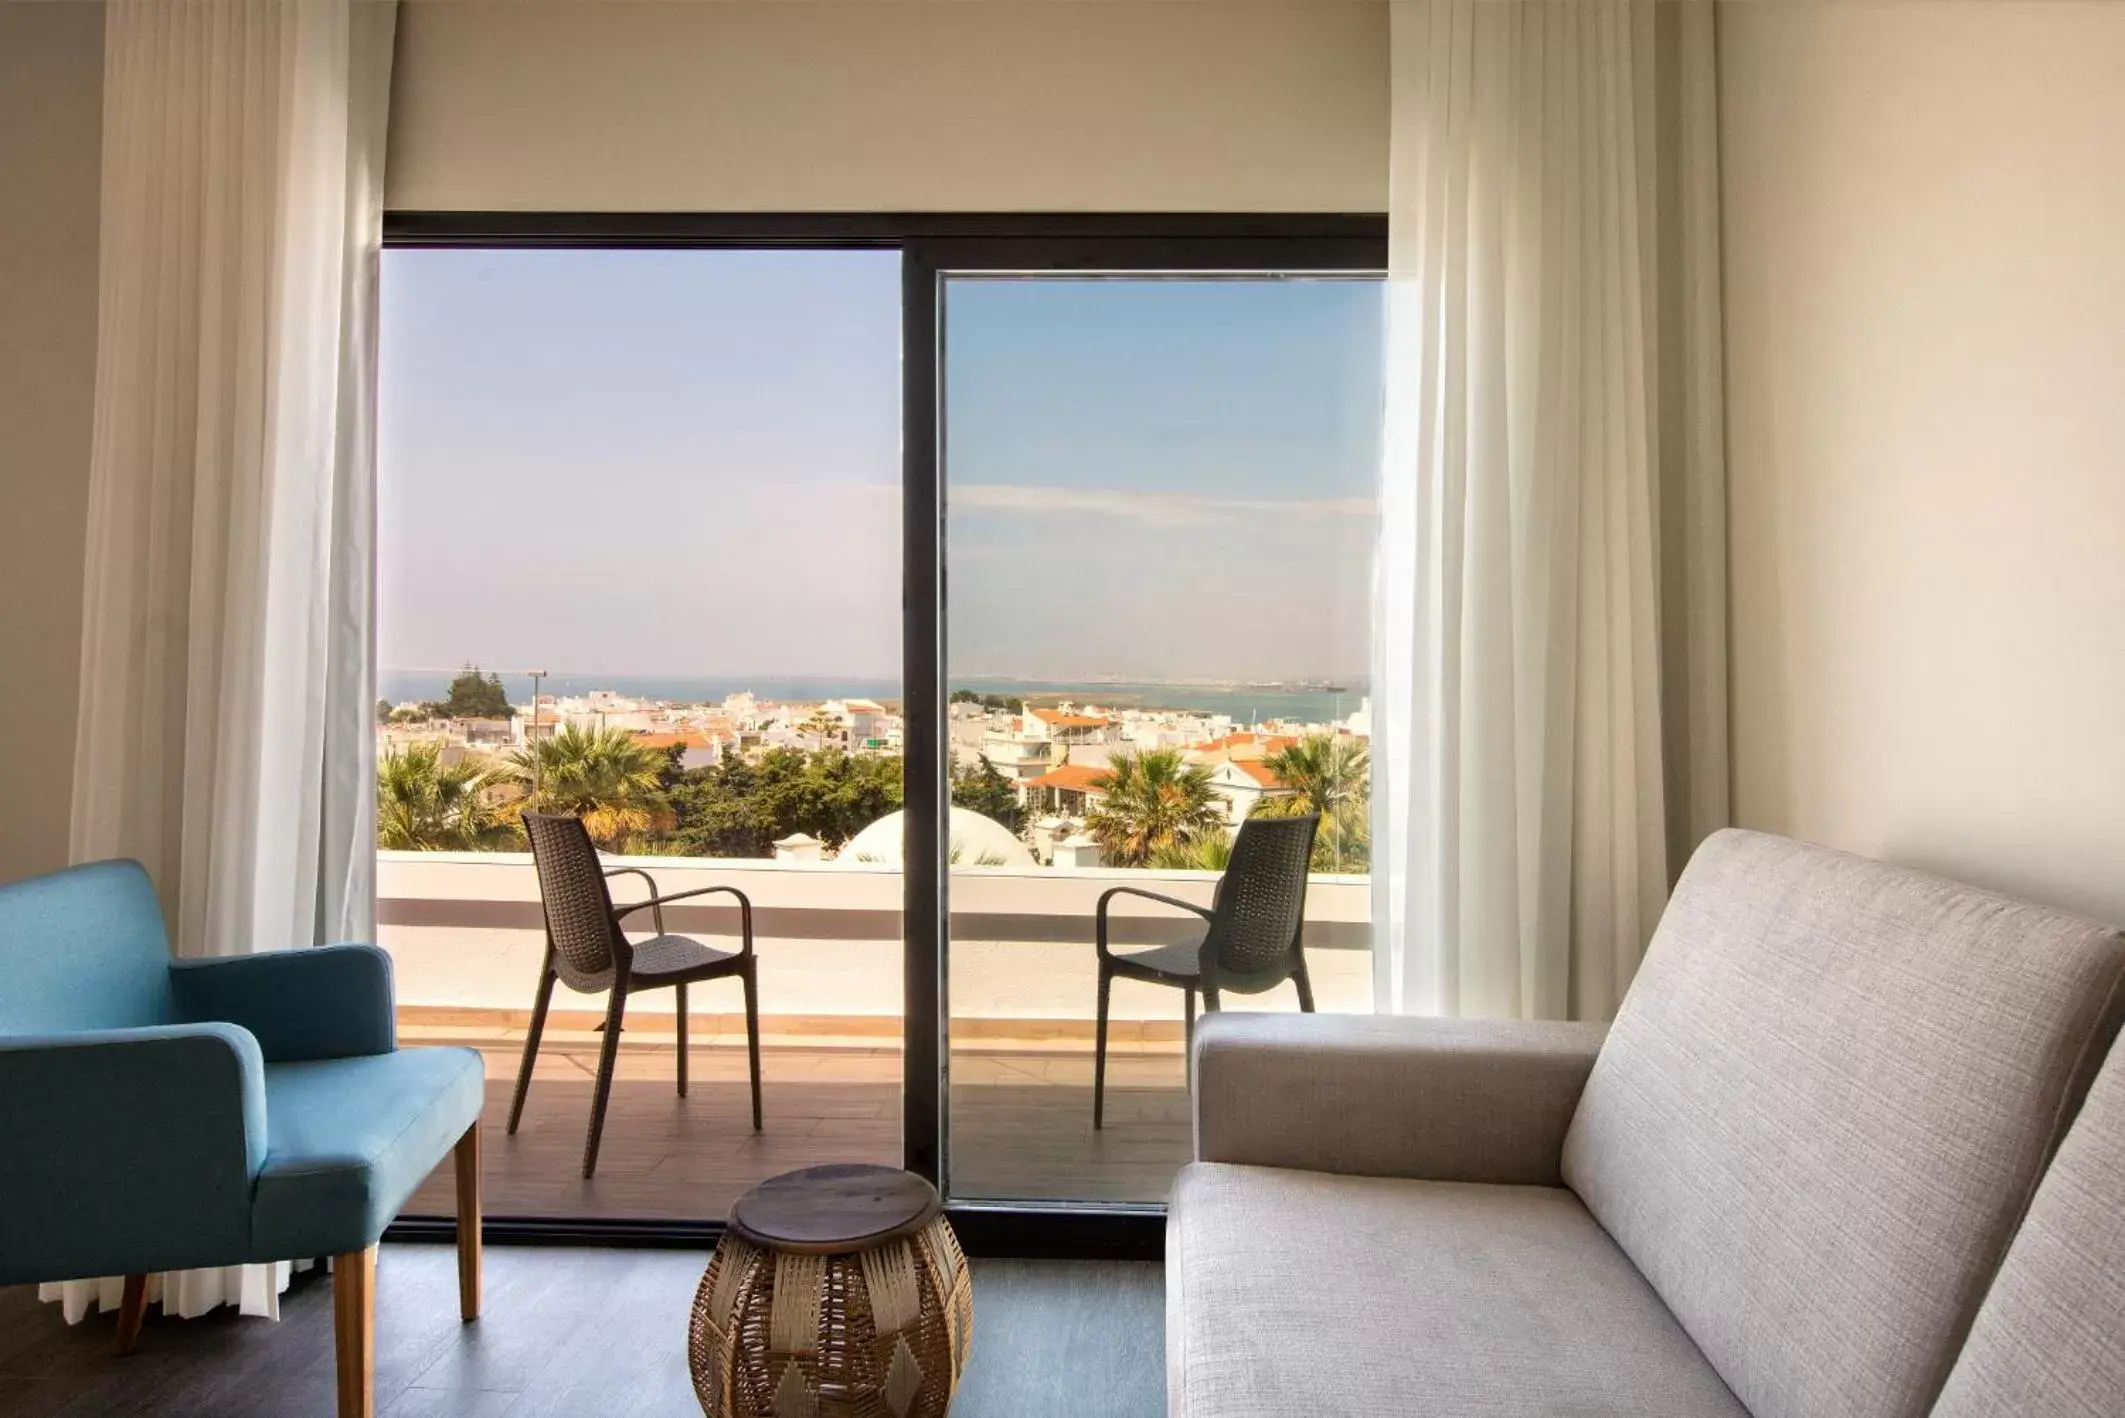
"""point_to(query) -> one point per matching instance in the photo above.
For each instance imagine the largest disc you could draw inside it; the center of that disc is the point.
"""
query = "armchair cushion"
(324, 1002)
(349, 1139)
(110, 1133)
(1452, 1100)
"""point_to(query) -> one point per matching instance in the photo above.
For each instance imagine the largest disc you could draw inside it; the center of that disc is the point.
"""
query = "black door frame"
(930, 244)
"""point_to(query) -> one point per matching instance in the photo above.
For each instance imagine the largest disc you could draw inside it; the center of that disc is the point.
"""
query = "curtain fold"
(226, 672)
(1550, 716)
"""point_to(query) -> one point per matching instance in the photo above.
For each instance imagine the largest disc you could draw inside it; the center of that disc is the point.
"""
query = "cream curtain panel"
(1550, 715)
(226, 676)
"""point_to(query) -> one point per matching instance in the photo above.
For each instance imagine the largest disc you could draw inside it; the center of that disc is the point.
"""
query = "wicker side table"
(837, 1292)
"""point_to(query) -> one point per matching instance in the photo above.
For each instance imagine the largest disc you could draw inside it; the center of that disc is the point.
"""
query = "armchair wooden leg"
(132, 1311)
(468, 1223)
(354, 1331)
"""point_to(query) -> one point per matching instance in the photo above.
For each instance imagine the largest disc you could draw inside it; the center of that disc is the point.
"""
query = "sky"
(688, 463)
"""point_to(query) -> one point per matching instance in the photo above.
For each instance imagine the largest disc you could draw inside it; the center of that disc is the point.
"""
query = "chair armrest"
(1099, 913)
(1452, 1100)
(320, 1002)
(128, 1149)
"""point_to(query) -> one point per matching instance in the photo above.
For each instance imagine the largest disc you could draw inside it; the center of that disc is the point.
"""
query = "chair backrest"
(1261, 899)
(577, 901)
(2050, 1337)
(1826, 1099)
(83, 948)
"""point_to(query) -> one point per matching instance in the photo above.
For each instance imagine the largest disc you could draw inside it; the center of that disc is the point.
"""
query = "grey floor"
(566, 1333)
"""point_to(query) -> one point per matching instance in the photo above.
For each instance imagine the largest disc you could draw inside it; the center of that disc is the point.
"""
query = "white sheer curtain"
(226, 675)
(1550, 715)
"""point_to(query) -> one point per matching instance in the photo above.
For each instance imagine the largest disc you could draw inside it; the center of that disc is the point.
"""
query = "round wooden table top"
(835, 1209)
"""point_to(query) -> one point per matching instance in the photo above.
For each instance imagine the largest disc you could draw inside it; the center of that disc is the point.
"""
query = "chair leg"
(1188, 1037)
(354, 1331)
(531, 1047)
(1099, 1051)
(752, 1034)
(682, 1040)
(1305, 985)
(132, 1312)
(468, 1223)
(608, 1055)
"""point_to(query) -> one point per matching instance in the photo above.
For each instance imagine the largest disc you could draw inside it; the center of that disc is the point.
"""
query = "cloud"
(1161, 508)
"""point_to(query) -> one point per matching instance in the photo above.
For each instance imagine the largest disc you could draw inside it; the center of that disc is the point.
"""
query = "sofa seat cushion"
(348, 1140)
(1293, 1292)
(2050, 1337)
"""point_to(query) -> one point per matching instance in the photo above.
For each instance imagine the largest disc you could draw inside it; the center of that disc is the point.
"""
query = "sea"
(1245, 704)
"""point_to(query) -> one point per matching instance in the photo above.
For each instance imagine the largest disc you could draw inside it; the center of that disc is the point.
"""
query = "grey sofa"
(1832, 1158)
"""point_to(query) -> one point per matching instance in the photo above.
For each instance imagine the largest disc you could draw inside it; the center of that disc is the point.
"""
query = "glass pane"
(640, 563)
(1161, 509)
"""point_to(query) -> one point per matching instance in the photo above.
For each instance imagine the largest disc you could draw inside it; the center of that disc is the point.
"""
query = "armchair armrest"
(324, 1002)
(1453, 1100)
(128, 1149)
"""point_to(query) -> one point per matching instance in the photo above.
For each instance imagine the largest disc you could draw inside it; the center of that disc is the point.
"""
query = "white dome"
(976, 841)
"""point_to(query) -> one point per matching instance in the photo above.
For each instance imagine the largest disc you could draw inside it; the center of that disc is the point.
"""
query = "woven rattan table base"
(878, 1333)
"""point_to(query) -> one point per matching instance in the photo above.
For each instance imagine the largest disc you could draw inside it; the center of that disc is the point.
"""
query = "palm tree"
(1151, 799)
(1328, 774)
(604, 776)
(426, 805)
(1210, 852)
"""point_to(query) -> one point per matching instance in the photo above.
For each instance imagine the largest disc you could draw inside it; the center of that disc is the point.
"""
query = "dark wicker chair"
(1252, 945)
(587, 951)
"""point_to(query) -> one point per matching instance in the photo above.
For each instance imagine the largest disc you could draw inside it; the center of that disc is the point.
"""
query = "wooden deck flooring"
(1021, 1123)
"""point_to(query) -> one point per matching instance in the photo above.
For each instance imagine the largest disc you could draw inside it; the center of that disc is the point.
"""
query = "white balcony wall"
(462, 930)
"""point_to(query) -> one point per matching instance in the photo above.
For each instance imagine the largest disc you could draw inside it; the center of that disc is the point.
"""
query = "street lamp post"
(536, 676)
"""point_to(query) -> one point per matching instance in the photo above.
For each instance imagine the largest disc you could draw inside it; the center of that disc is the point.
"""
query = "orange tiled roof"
(1259, 771)
(649, 740)
(1070, 777)
(1056, 719)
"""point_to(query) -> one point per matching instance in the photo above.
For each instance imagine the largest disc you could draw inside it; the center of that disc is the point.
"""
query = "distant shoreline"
(1243, 703)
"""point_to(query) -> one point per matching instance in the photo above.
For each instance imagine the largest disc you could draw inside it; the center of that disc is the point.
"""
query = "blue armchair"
(162, 1115)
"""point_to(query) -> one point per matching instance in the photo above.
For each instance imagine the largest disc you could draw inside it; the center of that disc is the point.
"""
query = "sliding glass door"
(1160, 512)
(669, 511)
(641, 566)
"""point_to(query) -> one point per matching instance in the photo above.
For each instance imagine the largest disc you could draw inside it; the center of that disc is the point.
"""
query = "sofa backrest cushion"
(1824, 1106)
(2050, 1337)
(83, 948)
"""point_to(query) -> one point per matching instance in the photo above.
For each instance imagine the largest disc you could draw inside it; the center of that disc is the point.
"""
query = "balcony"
(466, 936)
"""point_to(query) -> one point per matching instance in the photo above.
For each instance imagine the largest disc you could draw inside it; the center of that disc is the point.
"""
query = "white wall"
(1925, 254)
(51, 129)
(863, 105)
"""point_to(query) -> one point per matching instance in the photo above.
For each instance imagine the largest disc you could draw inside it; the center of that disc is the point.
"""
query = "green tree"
(1151, 799)
(978, 787)
(741, 809)
(821, 728)
(426, 805)
(475, 696)
(604, 776)
(1328, 774)
(1210, 852)
(383, 711)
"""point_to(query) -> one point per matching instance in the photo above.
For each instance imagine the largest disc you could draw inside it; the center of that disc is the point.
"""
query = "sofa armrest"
(1453, 1100)
(128, 1149)
(323, 1002)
